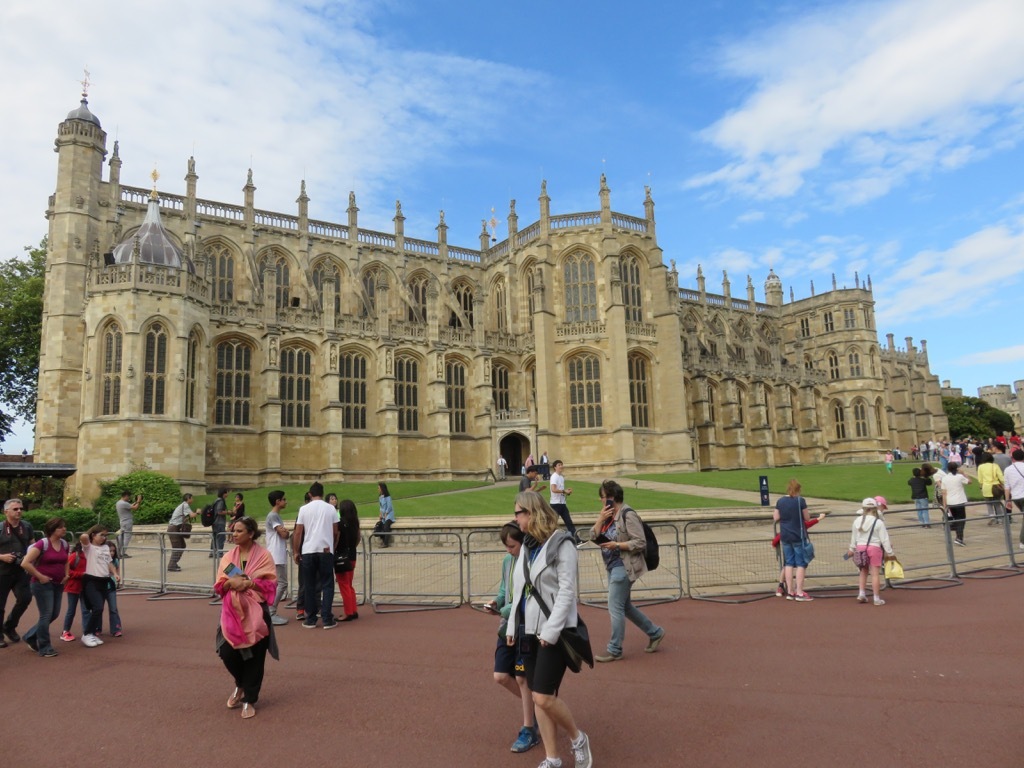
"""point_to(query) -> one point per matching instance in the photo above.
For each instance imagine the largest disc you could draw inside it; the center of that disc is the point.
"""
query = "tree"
(21, 321)
(973, 416)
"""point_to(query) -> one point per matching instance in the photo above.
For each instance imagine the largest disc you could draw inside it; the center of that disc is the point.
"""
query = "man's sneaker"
(959, 543)
(581, 752)
(879, 601)
(90, 641)
(608, 658)
(330, 624)
(654, 642)
(277, 620)
(3, 643)
(48, 653)
(173, 567)
(526, 741)
(300, 615)
(803, 597)
(12, 635)
(309, 624)
(67, 637)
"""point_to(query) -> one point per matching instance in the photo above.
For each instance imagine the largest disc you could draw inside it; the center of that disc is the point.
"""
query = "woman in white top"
(870, 535)
(954, 500)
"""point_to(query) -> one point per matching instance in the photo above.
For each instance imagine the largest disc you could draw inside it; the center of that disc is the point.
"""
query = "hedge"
(160, 495)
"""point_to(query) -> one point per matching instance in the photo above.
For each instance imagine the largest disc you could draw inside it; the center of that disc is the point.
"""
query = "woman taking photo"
(47, 563)
(870, 536)
(791, 514)
(247, 582)
(545, 572)
(387, 515)
(622, 541)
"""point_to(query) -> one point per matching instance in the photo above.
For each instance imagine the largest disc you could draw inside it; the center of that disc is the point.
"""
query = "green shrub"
(160, 495)
(78, 519)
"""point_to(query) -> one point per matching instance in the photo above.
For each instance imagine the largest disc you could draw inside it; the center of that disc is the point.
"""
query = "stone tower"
(75, 213)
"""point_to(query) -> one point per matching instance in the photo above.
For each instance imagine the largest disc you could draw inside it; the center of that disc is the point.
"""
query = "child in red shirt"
(73, 589)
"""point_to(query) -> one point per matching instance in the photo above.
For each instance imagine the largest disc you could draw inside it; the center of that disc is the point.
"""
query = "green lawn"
(845, 482)
(434, 499)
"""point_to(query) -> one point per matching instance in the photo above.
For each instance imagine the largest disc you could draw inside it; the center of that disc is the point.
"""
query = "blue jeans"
(620, 608)
(47, 598)
(219, 531)
(318, 576)
(922, 511)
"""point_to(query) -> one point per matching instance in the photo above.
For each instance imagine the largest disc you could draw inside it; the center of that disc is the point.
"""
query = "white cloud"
(297, 89)
(750, 217)
(994, 356)
(956, 281)
(887, 89)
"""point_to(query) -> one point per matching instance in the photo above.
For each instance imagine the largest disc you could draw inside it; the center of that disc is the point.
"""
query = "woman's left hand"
(610, 545)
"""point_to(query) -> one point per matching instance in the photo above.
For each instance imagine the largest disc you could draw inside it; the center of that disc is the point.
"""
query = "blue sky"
(870, 138)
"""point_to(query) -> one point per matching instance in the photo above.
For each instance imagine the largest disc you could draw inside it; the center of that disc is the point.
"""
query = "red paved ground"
(933, 678)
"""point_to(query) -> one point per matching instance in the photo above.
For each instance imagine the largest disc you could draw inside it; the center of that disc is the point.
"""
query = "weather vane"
(154, 176)
(85, 84)
(493, 224)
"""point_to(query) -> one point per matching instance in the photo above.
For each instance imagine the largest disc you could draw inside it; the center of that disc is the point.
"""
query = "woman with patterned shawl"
(246, 582)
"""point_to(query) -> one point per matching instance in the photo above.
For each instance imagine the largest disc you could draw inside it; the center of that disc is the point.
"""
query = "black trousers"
(958, 513)
(18, 583)
(246, 666)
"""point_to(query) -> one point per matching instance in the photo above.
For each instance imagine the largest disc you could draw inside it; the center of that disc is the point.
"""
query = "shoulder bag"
(804, 538)
(860, 557)
(574, 641)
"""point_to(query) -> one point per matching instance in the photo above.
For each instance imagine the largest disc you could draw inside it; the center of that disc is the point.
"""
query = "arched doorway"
(514, 447)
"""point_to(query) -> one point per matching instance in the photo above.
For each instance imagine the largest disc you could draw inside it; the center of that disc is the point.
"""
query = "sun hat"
(867, 504)
(881, 502)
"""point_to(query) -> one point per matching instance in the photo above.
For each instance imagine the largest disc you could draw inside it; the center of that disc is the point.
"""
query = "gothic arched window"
(352, 390)
(407, 395)
(296, 387)
(110, 385)
(154, 382)
(580, 289)
(632, 295)
(455, 396)
(233, 397)
(584, 372)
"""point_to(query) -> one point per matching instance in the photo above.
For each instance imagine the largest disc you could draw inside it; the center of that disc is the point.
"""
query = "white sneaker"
(581, 752)
(90, 641)
(879, 601)
(98, 639)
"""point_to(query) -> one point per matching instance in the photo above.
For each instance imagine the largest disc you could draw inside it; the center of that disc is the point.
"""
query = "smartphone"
(847, 555)
(488, 607)
(609, 503)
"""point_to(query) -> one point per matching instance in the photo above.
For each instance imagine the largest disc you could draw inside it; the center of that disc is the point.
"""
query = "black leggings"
(958, 512)
(247, 672)
(94, 593)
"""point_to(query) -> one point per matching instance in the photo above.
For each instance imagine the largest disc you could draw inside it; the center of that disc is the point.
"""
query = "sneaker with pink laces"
(67, 637)
(803, 597)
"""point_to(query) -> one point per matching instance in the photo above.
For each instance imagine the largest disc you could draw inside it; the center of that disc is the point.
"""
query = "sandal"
(235, 699)
(248, 710)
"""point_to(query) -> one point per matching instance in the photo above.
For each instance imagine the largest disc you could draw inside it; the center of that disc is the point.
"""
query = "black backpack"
(206, 516)
(651, 555)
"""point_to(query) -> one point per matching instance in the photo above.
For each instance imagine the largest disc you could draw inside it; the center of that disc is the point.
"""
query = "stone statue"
(273, 350)
(334, 356)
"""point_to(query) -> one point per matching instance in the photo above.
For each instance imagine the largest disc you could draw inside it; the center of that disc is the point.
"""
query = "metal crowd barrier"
(730, 560)
(989, 548)
(141, 565)
(665, 585)
(484, 555)
(198, 567)
(423, 572)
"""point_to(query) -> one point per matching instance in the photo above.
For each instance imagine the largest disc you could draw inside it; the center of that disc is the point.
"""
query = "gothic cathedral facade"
(227, 345)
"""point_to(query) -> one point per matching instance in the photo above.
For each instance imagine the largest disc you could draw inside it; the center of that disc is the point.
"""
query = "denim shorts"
(793, 554)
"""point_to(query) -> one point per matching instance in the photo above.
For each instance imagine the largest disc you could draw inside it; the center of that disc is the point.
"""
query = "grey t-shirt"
(124, 509)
